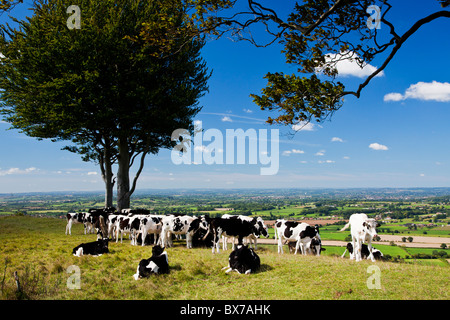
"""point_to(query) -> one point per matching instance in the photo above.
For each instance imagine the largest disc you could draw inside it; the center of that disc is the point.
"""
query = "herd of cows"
(145, 228)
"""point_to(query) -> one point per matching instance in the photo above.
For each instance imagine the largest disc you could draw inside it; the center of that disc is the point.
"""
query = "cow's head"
(198, 223)
(369, 227)
(157, 250)
(104, 244)
(259, 227)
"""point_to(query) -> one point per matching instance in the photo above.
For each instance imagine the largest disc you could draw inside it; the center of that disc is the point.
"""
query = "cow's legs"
(69, 227)
(280, 244)
(224, 243)
(369, 245)
(352, 256)
(188, 241)
(358, 249)
(297, 246)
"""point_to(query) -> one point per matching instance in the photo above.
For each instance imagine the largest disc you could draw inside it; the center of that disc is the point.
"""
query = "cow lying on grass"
(158, 263)
(96, 248)
(243, 260)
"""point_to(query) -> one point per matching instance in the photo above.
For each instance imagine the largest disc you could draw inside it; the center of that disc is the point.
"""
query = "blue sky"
(395, 135)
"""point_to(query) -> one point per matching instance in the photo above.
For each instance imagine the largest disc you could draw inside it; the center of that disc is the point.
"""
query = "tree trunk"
(123, 176)
(109, 183)
(107, 175)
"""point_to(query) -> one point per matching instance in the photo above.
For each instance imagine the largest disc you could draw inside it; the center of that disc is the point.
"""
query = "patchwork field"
(41, 253)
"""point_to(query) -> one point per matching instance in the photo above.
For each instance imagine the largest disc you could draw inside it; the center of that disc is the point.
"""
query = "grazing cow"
(157, 264)
(181, 225)
(96, 248)
(314, 243)
(306, 237)
(200, 241)
(98, 219)
(150, 224)
(243, 260)
(362, 229)
(130, 225)
(258, 222)
(230, 228)
(377, 254)
(75, 217)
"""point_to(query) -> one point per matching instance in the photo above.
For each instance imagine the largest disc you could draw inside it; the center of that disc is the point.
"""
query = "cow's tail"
(346, 226)
(207, 233)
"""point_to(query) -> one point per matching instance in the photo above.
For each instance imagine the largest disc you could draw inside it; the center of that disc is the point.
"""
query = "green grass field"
(41, 253)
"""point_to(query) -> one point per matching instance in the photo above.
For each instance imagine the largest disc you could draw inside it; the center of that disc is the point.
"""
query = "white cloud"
(422, 174)
(295, 151)
(248, 111)
(326, 161)
(17, 171)
(320, 153)
(92, 173)
(393, 97)
(227, 119)
(346, 157)
(428, 91)
(349, 66)
(304, 126)
(377, 146)
(336, 139)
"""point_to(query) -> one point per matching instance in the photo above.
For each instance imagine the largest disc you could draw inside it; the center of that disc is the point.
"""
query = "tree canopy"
(116, 98)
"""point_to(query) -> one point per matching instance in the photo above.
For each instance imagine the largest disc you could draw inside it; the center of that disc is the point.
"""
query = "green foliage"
(97, 86)
(316, 35)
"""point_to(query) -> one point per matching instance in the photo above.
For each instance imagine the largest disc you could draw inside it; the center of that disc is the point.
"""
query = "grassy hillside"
(40, 252)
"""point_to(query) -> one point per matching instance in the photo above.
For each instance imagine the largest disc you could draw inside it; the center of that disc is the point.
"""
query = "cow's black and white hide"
(132, 212)
(96, 248)
(230, 228)
(181, 225)
(243, 260)
(377, 254)
(306, 237)
(158, 263)
(259, 226)
(75, 217)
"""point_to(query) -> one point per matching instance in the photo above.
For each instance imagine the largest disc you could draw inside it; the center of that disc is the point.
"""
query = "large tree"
(115, 97)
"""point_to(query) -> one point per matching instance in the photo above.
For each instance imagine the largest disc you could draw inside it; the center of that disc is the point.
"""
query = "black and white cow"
(150, 224)
(377, 254)
(75, 217)
(96, 248)
(98, 219)
(258, 222)
(306, 237)
(237, 228)
(243, 260)
(362, 229)
(128, 225)
(158, 263)
(180, 225)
